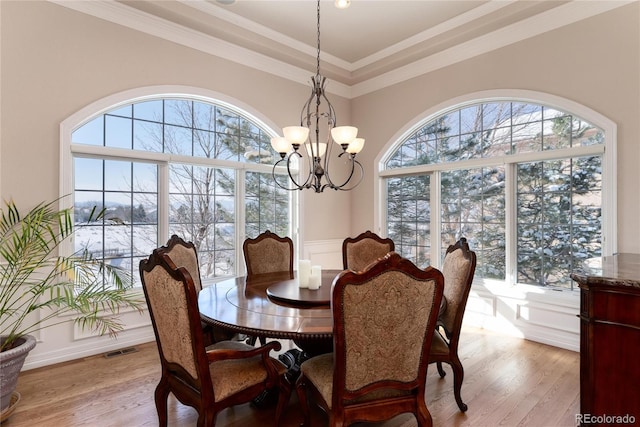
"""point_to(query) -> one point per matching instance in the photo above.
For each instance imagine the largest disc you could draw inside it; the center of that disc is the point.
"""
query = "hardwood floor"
(508, 381)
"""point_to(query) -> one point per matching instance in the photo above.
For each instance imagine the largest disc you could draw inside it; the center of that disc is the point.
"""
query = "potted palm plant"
(36, 277)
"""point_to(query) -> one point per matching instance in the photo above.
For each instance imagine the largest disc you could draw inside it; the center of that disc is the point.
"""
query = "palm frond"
(34, 276)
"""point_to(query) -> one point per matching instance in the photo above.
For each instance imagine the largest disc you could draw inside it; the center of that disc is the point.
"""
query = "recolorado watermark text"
(605, 419)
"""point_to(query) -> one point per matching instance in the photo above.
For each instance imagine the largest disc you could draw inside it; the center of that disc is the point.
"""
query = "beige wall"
(595, 62)
(56, 61)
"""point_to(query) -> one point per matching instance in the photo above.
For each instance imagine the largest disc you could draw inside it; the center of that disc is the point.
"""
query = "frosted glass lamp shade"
(296, 134)
(323, 149)
(355, 146)
(343, 135)
(280, 144)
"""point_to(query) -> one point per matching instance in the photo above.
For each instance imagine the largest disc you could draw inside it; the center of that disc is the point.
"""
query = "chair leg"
(301, 391)
(336, 420)
(423, 416)
(206, 418)
(440, 370)
(161, 396)
(458, 376)
(283, 397)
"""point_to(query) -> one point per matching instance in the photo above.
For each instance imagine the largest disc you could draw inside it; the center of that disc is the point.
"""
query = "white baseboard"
(86, 348)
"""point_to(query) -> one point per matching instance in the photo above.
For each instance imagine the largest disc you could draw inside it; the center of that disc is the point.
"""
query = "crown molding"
(120, 14)
(566, 14)
(459, 21)
(265, 32)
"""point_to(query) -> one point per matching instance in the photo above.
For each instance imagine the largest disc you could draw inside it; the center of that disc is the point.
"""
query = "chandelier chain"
(318, 42)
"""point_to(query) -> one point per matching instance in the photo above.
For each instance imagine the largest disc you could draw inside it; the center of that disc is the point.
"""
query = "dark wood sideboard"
(610, 340)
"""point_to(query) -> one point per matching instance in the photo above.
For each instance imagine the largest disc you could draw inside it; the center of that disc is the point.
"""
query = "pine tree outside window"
(523, 182)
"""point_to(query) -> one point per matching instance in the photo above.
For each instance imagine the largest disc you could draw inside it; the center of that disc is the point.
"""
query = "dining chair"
(458, 269)
(268, 253)
(360, 251)
(222, 375)
(383, 321)
(184, 254)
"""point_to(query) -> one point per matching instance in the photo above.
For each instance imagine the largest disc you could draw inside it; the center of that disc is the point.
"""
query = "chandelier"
(318, 114)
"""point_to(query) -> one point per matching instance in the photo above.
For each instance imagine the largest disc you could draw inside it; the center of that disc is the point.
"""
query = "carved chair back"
(268, 253)
(362, 250)
(458, 269)
(184, 254)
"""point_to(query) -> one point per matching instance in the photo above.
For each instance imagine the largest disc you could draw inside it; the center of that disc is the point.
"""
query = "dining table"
(273, 305)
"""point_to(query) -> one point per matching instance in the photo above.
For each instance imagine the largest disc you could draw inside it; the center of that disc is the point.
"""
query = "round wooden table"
(289, 292)
(272, 306)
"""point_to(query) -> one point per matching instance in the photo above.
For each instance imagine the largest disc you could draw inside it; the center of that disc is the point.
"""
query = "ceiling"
(371, 44)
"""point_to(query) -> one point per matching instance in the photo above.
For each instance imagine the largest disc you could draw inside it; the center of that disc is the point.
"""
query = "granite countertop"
(621, 270)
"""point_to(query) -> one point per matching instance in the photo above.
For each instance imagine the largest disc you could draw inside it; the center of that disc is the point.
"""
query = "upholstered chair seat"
(234, 375)
(439, 346)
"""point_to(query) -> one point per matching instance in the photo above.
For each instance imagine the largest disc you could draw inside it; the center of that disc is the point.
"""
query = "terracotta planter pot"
(11, 362)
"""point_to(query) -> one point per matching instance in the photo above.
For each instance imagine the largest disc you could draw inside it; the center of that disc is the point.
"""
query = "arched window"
(522, 181)
(179, 164)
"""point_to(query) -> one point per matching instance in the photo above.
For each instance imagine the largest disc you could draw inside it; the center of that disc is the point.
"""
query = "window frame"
(68, 151)
(606, 150)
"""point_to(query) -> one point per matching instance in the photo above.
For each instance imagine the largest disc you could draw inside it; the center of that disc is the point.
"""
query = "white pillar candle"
(304, 271)
(316, 277)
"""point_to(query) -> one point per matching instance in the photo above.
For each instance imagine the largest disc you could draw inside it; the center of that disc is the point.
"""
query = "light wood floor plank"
(508, 382)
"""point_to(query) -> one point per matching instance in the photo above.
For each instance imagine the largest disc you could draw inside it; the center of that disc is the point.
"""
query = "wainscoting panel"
(327, 253)
(536, 314)
(549, 318)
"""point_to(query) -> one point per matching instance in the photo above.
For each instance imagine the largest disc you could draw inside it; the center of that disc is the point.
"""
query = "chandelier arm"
(342, 187)
(305, 184)
(273, 173)
(327, 156)
(305, 113)
(297, 186)
(331, 121)
(330, 182)
(332, 112)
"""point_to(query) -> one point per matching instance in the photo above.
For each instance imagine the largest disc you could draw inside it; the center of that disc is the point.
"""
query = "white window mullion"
(163, 202)
(240, 220)
(609, 197)
(435, 184)
(511, 232)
